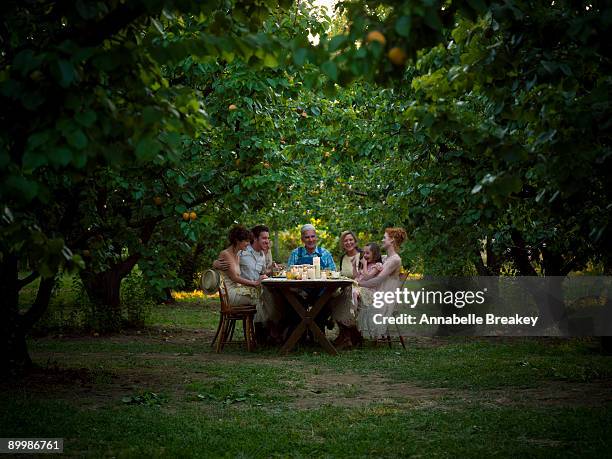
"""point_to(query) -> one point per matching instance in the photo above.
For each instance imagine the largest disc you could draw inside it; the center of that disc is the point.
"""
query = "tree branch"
(41, 303)
(21, 283)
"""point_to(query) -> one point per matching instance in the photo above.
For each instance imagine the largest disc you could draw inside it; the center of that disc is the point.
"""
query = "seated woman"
(386, 281)
(239, 290)
(371, 266)
(351, 254)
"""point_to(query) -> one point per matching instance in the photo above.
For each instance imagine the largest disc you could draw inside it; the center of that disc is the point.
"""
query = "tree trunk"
(14, 356)
(104, 292)
(188, 267)
(520, 255)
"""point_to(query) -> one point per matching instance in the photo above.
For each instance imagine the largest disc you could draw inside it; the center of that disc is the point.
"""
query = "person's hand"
(257, 283)
(221, 265)
(262, 277)
(378, 267)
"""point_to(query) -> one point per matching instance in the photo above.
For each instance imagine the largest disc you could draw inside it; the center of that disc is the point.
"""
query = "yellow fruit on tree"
(193, 215)
(375, 35)
(304, 115)
(185, 216)
(397, 56)
(157, 200)
(232, 107)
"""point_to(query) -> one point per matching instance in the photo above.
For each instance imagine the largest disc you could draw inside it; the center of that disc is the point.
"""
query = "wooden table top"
(282, 281)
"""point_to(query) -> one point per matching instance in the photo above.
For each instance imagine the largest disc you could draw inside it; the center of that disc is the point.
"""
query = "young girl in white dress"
(371, 266)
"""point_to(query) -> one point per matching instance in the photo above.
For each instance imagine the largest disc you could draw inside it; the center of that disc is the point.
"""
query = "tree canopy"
(137, 133)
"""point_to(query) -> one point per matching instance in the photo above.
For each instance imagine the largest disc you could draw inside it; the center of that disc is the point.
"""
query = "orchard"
(134, 135)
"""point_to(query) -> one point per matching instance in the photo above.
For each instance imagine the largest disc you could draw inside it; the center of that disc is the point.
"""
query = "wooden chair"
(229, 314)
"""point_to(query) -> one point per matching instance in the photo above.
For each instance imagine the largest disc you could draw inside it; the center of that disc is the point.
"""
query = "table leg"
(301, 328)
(316, 331)
(308, 321)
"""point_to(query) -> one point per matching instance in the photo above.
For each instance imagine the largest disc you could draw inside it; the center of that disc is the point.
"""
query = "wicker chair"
(229, 314)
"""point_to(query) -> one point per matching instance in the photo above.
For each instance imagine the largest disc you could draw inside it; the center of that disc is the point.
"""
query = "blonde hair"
(344, 234)
(398, 235)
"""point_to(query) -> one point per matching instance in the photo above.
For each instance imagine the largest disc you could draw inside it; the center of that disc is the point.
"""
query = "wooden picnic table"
(308, 315)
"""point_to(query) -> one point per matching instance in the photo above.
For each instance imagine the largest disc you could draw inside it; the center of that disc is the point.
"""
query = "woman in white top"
(351, 255)
(387, 281)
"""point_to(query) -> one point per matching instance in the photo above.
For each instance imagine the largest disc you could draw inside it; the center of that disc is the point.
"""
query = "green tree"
(85, 104)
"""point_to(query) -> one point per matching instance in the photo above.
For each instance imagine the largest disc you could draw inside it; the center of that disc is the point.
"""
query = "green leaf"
(61, 156)
(33, 160)
(86, 118)
(26, 61)
(403, 26)
(26, 189)
(157, 26)
(478, 5)
(32, 99)
(77, 139)
(270, 60)
(330, 69)
(37, 139)
(79, 159)
(151, 115)
(336, 42)
(432, 19)
(299, 56)
(147, 148)
(64, 72)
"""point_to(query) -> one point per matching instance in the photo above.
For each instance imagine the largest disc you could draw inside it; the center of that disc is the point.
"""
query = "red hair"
(398, 235)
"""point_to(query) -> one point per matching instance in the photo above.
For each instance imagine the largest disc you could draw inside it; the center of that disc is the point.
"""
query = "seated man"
(340, 304)
(253, 266)
(303, 255)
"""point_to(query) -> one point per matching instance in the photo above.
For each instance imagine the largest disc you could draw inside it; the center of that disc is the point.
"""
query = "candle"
(311, 273)
(316, 261)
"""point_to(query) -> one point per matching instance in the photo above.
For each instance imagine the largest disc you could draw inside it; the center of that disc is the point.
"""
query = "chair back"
(224, 297)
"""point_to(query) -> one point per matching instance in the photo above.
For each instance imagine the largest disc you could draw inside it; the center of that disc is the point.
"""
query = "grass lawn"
(162, 392)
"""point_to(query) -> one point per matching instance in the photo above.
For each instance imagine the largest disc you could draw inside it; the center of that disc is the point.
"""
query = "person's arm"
(389, 267)
(220, 265)
(356, 273)
(270, 265)
(232, 272)
(371, 273)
